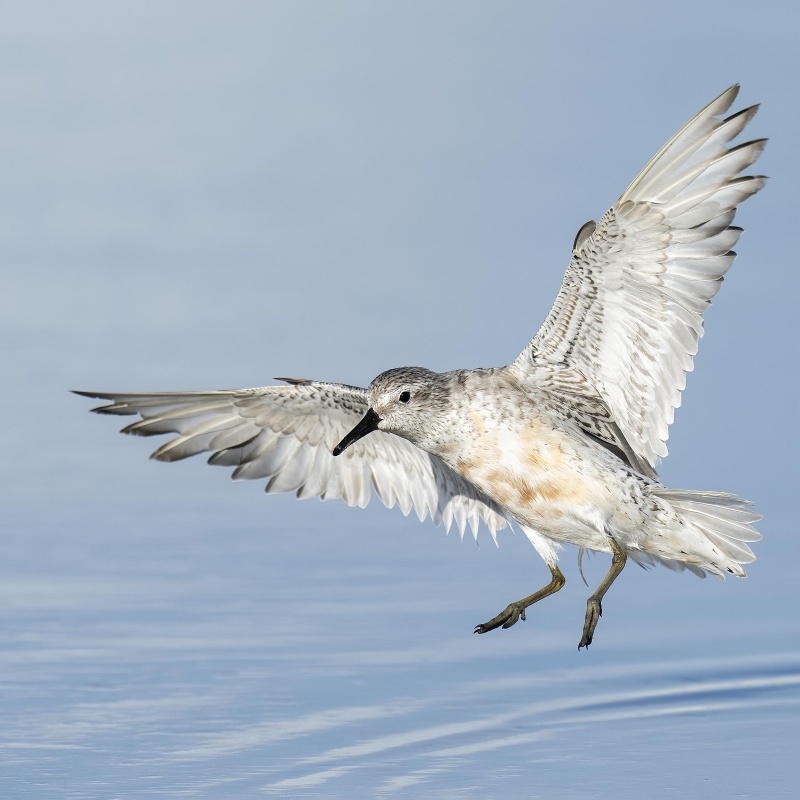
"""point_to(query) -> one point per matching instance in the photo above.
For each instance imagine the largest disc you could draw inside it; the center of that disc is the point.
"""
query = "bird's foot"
(505, 619)
(594, 610)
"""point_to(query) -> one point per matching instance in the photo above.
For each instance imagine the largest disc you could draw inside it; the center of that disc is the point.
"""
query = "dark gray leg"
(594, 608)
(516, 611)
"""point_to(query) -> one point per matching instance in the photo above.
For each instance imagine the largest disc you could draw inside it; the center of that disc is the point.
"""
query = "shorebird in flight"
(564, 441)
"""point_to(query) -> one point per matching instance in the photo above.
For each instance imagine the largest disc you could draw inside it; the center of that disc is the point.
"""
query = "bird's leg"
(594, 608)
(515, 611)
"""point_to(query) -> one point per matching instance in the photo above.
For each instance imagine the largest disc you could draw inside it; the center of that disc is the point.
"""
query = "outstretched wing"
(287, 433)
(625, 326)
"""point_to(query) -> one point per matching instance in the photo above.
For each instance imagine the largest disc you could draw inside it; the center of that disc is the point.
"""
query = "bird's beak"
(367, 425)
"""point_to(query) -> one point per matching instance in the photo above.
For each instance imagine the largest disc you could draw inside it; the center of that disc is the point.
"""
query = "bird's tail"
(725, 520)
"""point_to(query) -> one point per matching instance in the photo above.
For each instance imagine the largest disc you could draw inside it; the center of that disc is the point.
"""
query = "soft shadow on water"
(189, 662)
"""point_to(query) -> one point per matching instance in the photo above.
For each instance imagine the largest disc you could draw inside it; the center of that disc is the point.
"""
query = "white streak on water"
(548, 709)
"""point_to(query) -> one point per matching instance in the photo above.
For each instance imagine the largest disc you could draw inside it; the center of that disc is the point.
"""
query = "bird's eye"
(404, 397)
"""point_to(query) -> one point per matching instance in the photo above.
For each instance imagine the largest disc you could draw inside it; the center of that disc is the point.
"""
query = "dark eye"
(404, 397)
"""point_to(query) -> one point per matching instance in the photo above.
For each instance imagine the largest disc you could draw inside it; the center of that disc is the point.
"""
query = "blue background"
(199, 196)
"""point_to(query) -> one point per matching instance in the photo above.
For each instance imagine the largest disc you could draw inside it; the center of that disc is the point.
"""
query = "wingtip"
(721, 103)
(97, 396)
(94, 396)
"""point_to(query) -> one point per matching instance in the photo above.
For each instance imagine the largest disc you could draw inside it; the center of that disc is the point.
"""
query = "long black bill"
(367, 425)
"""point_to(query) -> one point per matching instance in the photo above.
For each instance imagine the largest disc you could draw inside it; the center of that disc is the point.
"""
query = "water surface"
(309, 659)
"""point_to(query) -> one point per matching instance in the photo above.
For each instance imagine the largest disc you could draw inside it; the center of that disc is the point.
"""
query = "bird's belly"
(551, 492)
(565, 507)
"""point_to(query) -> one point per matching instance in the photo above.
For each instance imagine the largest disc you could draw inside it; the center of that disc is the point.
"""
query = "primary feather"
(286, 434)
(625, 326)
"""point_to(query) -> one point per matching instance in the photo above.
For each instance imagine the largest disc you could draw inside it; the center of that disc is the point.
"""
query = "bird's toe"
(505, 619)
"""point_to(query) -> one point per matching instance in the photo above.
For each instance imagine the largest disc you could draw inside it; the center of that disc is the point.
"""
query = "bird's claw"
(594, 610)
(505, 619)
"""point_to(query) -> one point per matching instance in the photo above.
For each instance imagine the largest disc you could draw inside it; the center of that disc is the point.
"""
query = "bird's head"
(406, 401)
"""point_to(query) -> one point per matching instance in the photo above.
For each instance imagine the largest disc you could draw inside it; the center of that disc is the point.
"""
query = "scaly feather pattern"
(626, 323)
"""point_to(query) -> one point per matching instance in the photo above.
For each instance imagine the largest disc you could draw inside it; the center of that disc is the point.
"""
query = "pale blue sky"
(199, 196)
(206, 195)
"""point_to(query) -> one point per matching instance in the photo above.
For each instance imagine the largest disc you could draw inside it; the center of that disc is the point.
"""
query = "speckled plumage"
(534, 460)
(565, 440)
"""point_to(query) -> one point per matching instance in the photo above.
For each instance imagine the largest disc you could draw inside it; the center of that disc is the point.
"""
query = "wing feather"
(629, 314)
(285, 434)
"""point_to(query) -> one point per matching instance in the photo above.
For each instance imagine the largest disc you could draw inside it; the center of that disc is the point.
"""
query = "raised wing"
(626, 323)
(287, 433)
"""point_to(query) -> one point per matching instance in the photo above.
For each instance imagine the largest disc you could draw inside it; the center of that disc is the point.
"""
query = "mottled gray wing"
(625, 326)
(287, 433)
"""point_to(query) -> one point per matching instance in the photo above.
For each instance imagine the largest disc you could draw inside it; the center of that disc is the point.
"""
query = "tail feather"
(725, 520)
(648, 560)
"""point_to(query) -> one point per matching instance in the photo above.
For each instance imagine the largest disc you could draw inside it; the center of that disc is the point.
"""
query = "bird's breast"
(531, 467)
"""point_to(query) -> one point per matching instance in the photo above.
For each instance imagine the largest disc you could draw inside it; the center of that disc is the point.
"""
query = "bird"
(564, 441)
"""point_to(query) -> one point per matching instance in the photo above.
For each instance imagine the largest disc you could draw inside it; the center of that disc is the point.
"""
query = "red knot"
(564, 441)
